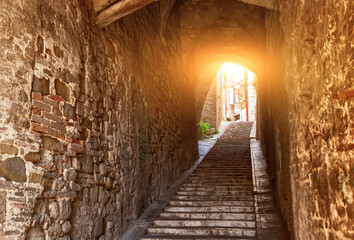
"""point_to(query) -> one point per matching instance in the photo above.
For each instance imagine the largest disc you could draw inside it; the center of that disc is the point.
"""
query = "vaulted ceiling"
(109, 11)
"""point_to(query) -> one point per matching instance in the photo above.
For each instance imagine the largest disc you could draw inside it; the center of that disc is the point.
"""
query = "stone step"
(211, 203)
(215, 183)
(221, 175)
(210, 209)
(204, 223)
(222, 170)
(159, 237)
(216, 201)
(215, 193)
(208, 180)
(214, 198)
(225, 164)
(222, 185)
(218, 188)
(200, 231)
(209, 215)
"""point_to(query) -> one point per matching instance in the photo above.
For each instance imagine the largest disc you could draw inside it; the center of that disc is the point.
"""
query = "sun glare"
(233, 71)
(237, 89)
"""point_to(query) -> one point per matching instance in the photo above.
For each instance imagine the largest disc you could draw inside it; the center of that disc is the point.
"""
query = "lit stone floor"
(225, 196)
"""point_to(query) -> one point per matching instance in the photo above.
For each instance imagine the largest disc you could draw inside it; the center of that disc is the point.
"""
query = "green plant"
(204, 127)
(228, 119)
(217, 131)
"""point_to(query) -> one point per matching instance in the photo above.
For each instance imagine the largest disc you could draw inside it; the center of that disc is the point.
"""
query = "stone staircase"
(216, 201)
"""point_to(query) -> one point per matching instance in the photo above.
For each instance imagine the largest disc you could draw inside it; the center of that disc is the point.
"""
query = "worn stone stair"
(216, 201)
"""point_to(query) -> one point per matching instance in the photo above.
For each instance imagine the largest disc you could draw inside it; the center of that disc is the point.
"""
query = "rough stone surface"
(125, 98)
(62, 90)
(13, 169)
(64, 209)
(52, 144)
(40, 85)
(306, 115)
(8, 149)
(33, 157)
(107, 104)
(209, 107)
(2, 206)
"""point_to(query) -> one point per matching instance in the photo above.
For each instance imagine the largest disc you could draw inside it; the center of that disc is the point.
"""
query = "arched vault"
(109, 11)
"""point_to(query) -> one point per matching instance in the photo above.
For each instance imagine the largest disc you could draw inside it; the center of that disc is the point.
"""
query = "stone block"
(108, 182)
(33, 157)
(40, 85)
(103, 195)
(64, 209)
(13, 169)
(58, 185)
(35, 178)
(40, 44)
(35, 233)
(8, 149)
(2, 207)
(103, 169)
(94, 194)
(69, 174)
(66, 237)
(69, 111)
(55, 229)
(87, 123)
(86, 164)
(76, 164)
(97, 228)
(66, 227)
(52, 144)
(53, 210)
(74, 186)
(62, 90)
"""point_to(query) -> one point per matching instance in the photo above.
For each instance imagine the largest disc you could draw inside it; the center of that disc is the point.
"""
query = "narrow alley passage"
(217, 200)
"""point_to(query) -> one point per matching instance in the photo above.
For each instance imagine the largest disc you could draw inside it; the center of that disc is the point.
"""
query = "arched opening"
(231, 97)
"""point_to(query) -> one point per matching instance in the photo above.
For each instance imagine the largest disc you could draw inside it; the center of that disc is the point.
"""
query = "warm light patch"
(235, 73)
(237, 93)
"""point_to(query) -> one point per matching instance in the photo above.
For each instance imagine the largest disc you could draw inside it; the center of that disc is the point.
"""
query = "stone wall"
(94, 123)
(306, 115)
(209, 108)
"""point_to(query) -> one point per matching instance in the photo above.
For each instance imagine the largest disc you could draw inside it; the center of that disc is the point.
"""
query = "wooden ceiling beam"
(119, 10)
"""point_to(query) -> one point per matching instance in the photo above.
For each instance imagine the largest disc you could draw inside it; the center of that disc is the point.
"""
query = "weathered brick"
(40, 120)
(57, 112)
(41, 105)
(50, 102)
(35, 127)
(36, 111)
(58, 126)
(53, 132)
(56, 98)
(37, 96)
